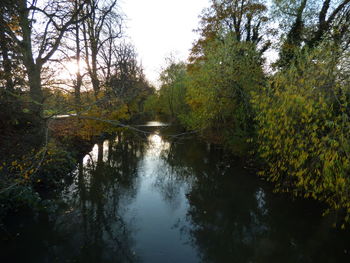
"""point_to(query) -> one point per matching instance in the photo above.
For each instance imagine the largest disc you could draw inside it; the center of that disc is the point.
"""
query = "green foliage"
(219, 92)
(173, 90)
(19, 197)
(304, 131)
(152, 106)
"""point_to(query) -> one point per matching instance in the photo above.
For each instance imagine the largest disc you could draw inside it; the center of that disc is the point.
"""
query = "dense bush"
(219, 92)
(304, 130)
(24, 180)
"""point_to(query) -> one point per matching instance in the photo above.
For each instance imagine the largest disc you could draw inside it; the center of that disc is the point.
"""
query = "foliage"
(243, 20)
(299, 120)
(219, 92)
(19, 197)
(303, 129)
(152, 105)
(22, 178)
(173, 89)
(308, 23)
(39, 42)
(97, 121)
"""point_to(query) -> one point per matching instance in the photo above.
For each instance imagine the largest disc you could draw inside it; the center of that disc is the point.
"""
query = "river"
(155, 197)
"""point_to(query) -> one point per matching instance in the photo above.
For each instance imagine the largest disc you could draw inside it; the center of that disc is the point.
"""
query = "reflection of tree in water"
(228, 220)
(169, 180)
(170, 183)
(233, 218)
(104, 185)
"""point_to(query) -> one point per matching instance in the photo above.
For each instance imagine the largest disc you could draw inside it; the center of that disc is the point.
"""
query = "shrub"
(304, 130)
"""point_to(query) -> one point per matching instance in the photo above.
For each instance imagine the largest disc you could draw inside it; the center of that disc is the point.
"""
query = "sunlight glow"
(71, 66)
(69, 69)
(156, 140)
(91, 157)
(157, 145)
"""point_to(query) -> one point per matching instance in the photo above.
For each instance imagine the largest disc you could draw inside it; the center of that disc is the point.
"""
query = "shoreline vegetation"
(290, 118)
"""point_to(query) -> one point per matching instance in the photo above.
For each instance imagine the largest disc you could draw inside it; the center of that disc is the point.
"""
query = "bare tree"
(103, 25)
(79, 77)
(126, 80)
(37, 31)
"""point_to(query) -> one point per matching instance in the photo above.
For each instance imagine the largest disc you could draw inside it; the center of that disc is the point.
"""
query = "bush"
(219, 92)
(23, 180)
(304, 130)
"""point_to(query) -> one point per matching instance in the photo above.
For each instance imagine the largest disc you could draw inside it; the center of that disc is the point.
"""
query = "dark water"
(155, 198)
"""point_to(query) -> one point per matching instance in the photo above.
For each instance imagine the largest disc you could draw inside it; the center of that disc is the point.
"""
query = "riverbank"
(36, 162)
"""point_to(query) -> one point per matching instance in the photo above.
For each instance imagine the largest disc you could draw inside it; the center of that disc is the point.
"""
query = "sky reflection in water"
(155, 199)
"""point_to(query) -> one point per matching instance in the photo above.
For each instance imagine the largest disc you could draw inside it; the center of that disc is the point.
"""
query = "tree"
(124, 76)
(173, 89)
(79, 77)
(241, 19)
(6, 64)
(37, 31)
(219, 92)
(303, 127)
(102, 27)
(309, 22)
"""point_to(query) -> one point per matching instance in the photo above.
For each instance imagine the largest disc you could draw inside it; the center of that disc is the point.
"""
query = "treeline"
(291, 113)
(60, 57)
(66, 56)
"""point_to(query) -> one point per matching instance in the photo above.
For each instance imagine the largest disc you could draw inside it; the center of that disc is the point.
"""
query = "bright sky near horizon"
(159, 28)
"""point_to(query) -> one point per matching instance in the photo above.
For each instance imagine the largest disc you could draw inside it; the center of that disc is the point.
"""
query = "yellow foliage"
(304, 132)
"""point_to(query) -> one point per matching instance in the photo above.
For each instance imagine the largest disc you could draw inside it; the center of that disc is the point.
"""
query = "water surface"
(151, 197)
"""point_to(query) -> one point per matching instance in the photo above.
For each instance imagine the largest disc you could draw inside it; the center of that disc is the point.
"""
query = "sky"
(159, 28)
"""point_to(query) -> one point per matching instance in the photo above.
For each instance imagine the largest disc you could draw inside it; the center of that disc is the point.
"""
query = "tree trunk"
(79, 78)
(94, 77)
(6, 61)
(36, 94)
(33, 68)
